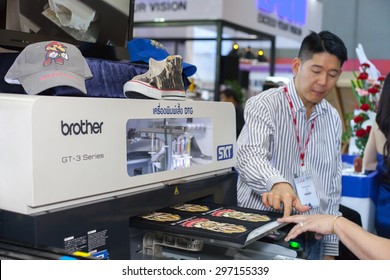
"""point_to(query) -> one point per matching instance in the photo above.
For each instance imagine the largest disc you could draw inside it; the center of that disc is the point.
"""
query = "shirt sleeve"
(253, 154)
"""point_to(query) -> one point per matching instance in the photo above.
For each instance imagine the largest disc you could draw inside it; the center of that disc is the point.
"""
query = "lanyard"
(301, 150)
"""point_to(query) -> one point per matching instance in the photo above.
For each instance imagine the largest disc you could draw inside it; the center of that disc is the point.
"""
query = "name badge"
(306, 191)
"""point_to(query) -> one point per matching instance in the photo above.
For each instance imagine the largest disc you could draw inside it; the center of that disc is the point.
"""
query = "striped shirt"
(268, 151)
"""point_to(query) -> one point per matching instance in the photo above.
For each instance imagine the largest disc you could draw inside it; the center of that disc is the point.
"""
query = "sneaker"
(163, 80)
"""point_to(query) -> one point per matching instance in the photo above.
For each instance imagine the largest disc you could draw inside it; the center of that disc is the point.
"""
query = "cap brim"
(12, 81)
(37, 82)
(143, 49)
(189, 69)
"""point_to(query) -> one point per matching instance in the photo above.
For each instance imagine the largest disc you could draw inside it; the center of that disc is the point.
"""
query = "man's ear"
(296, 63)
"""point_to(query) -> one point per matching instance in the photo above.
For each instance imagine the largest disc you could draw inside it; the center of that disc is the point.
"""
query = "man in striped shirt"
(291, 134)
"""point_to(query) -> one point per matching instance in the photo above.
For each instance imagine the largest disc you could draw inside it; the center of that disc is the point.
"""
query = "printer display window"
(155, 145)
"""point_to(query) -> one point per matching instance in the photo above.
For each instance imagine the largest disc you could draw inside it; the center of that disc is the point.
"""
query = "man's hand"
(283, 193)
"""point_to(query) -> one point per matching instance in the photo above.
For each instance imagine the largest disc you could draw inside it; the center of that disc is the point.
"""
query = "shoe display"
(163, 80)
(141, 50)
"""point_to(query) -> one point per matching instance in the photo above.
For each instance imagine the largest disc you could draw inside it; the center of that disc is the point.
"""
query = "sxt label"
(224, 152)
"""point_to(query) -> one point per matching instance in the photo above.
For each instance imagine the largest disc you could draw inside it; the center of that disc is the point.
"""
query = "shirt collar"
(319, 109)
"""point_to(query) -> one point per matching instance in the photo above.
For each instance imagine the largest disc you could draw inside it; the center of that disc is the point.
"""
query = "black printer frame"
(110, 217)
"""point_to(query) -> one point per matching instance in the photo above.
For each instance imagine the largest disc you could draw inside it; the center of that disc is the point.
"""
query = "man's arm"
(253, 154)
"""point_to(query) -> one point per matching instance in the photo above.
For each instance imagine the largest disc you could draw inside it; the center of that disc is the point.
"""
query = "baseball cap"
(143, 49)
(49, 64)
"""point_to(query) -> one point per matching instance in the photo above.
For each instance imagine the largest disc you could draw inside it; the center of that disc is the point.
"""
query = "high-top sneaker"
(163, 80)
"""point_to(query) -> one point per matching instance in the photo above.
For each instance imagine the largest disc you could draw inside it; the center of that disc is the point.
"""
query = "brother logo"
(224, 152)
(82, 127)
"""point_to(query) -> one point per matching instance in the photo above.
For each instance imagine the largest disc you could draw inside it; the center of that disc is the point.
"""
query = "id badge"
(306, 191)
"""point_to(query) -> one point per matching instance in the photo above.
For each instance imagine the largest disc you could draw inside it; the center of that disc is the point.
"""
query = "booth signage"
(272, 22)
(292, 19)
(152, 10)
(281, 13)
(148, 6)
(289, 10)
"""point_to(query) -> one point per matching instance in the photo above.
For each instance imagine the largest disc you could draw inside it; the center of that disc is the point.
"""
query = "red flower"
(363, 76)
(373, 90)
(358, 119)
(367, 92)
(360, 133)
(365, 107)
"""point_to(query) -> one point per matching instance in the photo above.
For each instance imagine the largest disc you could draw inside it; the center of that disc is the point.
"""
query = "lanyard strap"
(301, 150)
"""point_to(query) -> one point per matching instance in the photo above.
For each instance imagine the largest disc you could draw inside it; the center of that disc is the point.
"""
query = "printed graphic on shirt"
(239, 215)
(191, 207)
(203, 223)
(234, 225)
(161, 217)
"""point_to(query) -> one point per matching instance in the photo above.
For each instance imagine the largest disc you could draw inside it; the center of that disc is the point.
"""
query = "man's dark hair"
(231, 93)
(383, 119)
(324, 41)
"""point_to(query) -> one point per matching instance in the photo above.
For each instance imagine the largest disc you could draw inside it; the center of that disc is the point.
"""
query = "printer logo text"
(81, 127)
(224, 152)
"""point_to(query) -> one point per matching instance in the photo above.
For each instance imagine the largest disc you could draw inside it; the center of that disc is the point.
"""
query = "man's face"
(315, 77)
(223, 98)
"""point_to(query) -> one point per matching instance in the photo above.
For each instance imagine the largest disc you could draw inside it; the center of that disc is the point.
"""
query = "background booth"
(219, 35)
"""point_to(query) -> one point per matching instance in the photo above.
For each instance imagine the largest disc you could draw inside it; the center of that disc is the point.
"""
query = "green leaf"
(355, 93)
(360, 83)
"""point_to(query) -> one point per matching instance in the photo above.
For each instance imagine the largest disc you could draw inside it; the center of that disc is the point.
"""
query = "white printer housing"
(58, 152)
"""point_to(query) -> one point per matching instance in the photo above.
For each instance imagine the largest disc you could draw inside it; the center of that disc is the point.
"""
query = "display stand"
(359, 192)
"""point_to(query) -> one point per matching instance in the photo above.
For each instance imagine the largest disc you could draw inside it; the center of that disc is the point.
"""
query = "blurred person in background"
(377, 157)
(229, 95)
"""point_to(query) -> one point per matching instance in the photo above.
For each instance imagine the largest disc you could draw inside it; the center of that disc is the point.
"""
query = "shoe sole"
(173, 97)
(136, 95)
(141, 90)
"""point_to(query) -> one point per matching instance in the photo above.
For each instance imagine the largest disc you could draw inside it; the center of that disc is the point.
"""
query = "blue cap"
(143, 49)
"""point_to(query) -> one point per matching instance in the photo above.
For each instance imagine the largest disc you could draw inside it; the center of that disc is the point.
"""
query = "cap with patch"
(143, 49)
(49, 64)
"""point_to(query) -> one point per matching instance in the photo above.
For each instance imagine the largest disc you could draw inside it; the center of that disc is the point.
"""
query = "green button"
(294, 245)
